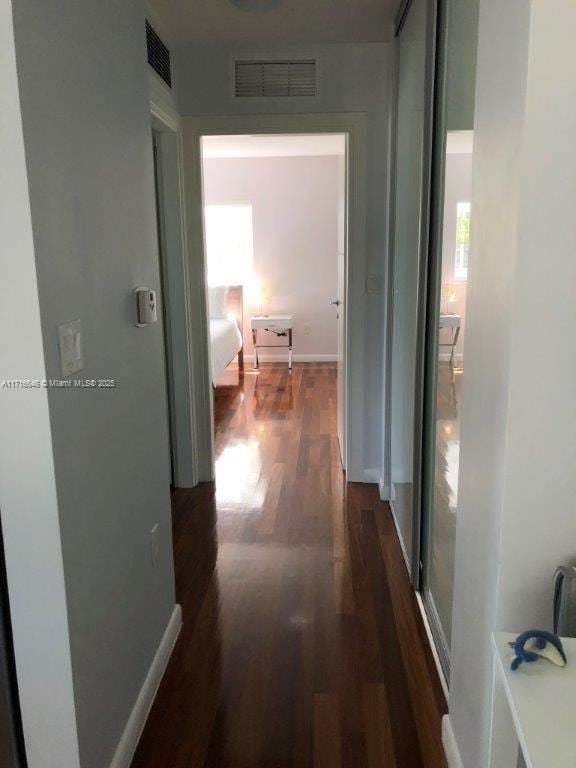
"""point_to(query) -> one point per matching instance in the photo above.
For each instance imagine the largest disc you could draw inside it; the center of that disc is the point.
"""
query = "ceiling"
(302, 145)
(294, 21)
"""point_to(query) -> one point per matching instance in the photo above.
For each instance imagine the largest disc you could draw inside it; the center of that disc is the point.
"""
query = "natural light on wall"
(229, 244)
(462, 240)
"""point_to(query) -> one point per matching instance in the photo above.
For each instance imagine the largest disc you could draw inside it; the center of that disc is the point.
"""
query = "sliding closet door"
(445, 358)
(415, 50)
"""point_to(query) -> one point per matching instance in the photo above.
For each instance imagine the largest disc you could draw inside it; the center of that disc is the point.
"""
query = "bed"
(225, 304)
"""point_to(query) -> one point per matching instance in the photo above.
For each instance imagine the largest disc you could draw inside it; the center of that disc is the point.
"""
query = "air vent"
(158, 55)
(275, 78)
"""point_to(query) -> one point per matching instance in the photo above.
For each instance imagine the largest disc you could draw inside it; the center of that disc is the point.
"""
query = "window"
(462, 240)
(229, 244)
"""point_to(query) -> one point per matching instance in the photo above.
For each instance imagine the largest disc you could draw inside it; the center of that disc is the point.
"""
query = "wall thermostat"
(145, 306)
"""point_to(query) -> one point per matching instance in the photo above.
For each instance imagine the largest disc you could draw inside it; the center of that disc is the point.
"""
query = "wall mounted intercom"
(146, 306)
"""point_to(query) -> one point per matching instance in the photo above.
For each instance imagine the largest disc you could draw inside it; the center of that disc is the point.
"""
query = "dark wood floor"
(302, 645)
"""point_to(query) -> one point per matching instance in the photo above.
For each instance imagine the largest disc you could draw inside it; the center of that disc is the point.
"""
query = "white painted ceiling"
(294, 21)
(302, 145)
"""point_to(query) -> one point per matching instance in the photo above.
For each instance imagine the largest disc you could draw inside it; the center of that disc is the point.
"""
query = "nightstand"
(281, 325)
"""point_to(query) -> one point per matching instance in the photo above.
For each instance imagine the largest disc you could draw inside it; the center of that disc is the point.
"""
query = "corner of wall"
(384, 490)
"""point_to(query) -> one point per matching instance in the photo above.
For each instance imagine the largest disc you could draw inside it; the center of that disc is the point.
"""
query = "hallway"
(302, 642)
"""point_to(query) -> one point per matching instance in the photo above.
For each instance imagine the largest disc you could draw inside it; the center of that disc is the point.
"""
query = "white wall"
(85, 110)
(28, 503)
(351, 78)
(517, 480)
(295, 225)
(462, 44)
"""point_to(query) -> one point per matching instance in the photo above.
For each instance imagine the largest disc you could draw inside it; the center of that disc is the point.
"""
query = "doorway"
(173, 274)
(351, 277)
(275, 238)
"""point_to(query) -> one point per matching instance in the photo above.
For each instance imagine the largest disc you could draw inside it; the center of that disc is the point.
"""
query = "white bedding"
(225, 342)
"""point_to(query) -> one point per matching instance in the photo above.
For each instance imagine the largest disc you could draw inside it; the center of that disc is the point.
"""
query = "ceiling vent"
(275, 78)
(158, 55)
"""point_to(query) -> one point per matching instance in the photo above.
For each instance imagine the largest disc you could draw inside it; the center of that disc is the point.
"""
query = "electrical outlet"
(307, 330)
(154, 544)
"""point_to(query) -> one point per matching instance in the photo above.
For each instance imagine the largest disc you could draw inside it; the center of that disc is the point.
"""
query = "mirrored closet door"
(415, 51)
(445, 342)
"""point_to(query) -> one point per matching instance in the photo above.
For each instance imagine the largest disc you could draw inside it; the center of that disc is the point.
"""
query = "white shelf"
(542, 701)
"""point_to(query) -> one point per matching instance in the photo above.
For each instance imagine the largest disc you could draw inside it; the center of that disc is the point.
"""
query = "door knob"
(336, 302)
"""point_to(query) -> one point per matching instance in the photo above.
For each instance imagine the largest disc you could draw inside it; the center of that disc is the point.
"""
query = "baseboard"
(449, 743)
(371, 476)
(297, 358)
(401, 477)
(137, 720)
(444, 357)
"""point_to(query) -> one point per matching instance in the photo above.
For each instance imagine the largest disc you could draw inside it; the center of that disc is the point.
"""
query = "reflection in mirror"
(451, 355)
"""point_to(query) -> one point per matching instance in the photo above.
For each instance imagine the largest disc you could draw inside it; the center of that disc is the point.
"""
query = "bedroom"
(274, 234)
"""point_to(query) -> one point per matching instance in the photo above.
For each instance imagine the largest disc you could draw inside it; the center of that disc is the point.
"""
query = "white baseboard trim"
(296, 358)
(450, 745)
(401, 477)
(137, 720)
(371, 476)
(444, 357)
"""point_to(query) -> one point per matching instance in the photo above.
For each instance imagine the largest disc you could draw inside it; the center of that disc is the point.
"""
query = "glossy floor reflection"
(443, 529)
(302, 645)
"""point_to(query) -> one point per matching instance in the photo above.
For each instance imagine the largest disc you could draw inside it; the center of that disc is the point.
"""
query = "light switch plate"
(70, 342)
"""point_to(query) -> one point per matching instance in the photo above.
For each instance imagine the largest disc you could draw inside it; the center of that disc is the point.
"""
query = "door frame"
(166, 123)
(353, 125)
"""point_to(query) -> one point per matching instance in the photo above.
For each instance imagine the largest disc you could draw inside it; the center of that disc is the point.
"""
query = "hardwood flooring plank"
(327, 752)
(302, 645)
(379, 738)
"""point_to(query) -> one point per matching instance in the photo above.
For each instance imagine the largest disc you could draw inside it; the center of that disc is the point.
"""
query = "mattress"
(225, 343)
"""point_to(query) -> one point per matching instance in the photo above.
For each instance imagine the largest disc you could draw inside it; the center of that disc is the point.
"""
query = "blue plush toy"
(535, 644)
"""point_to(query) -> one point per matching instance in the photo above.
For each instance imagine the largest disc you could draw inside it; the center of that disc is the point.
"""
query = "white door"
(340, 300)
